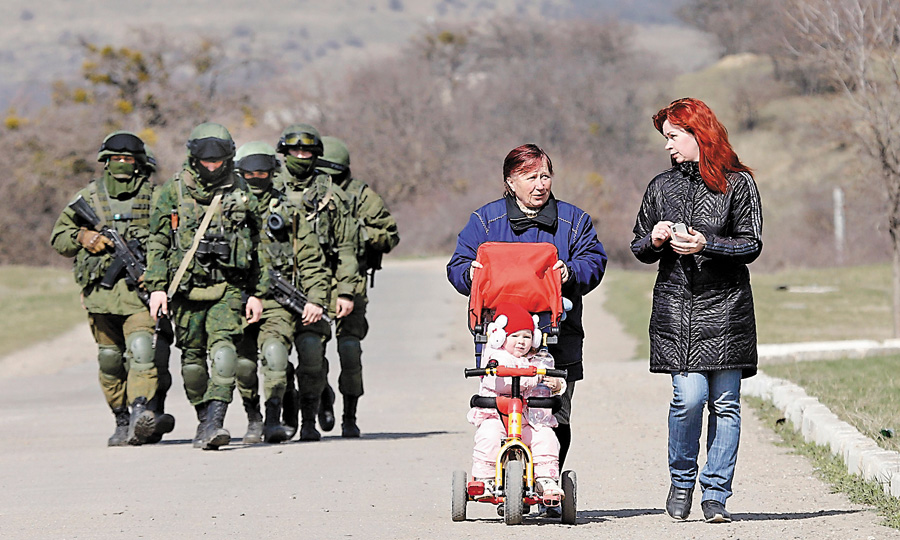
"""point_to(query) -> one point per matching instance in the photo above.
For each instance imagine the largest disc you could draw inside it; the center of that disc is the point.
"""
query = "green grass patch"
(829, 468)
(40, 303)
(865, 393)
(856, 304)
(791, 306)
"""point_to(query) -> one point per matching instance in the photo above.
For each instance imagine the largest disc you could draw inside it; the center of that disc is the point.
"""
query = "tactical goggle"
(300, 139)
(211, 149)
(123, 143)
(257, 162)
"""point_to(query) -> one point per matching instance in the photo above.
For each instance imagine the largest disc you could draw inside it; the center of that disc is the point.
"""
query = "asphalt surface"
(59, 480)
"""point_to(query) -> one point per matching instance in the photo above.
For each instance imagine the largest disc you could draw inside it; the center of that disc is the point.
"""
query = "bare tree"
(858, 43)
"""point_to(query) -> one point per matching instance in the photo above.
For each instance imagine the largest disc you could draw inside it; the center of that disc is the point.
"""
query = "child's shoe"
(488, 489)
(549, 490)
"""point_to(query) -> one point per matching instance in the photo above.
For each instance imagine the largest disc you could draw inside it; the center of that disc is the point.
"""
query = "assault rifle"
(127, 257)
(289, 296)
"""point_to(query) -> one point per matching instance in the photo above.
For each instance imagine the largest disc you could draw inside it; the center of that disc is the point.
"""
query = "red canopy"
(516, 272)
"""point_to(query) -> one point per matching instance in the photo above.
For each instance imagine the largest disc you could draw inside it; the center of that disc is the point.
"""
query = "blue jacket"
(565, 226)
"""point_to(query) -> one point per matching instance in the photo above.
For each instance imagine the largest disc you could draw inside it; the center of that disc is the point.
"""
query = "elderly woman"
(701, 220)
(528, 212)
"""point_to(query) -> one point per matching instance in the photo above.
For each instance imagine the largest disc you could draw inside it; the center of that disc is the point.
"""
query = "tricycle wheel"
(570, 497)
(514, 493)
(460, 496)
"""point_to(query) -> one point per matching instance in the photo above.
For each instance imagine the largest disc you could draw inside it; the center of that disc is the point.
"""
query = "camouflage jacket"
(377, 227)
(229, 249)
(289, 246)
(131, 218)
(327, 210)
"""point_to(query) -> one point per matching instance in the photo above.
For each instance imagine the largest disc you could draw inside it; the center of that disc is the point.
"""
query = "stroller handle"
(502, 371)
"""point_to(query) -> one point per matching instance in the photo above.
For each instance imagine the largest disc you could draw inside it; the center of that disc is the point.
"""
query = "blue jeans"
(721, 391)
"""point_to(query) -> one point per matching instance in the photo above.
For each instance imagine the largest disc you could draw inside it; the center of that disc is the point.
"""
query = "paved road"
(59, 480)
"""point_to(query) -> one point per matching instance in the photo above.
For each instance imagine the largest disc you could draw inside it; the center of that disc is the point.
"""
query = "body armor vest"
(226, 249)
(130, 218)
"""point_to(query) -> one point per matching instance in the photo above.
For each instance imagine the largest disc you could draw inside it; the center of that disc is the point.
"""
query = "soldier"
(130, 368)
(289, 247)
(202, 257)
(377, 236)
(325, 206)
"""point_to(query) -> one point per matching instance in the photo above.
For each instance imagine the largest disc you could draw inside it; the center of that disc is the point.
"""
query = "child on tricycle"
(514, 341)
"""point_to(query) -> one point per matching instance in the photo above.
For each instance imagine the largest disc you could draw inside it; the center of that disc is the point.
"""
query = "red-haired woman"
(701, 221)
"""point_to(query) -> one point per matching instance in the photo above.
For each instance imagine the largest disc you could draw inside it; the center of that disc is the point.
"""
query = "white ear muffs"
(496, 335)
(536, 336)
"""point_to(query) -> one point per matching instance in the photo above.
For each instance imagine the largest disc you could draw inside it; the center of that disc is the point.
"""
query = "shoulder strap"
(102, 210)
(196, 242)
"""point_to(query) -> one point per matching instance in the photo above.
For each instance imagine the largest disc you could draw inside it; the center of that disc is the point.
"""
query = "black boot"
(254, 421)
(273, 431)
(290, 411)
(309, 407)
(120, 436)
(348, 420)
(216, 435)
(165, 423)
(142, 423)
(326, 408)
(203, 418)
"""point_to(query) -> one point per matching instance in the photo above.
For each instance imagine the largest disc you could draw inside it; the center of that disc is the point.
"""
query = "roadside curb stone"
(815, 422)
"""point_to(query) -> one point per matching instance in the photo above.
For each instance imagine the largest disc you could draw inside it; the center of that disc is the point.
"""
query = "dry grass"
(39, 303)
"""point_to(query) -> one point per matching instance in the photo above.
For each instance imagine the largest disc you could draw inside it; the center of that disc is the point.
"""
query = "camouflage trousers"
(277, 324)
(120, 383)
(208, 328)
(350, 331)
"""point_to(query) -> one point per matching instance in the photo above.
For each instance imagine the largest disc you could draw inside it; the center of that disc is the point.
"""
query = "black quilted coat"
(702, 317)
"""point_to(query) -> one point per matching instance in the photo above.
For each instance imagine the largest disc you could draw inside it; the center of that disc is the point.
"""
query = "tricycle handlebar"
(502, 371)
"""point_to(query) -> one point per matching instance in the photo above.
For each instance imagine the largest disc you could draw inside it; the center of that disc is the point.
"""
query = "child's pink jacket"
(492, 386)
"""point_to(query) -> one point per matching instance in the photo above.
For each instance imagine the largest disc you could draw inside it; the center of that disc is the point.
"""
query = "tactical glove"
(92, 240)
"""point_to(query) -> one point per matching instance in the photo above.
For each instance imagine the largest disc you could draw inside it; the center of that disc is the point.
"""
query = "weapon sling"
(182, 268)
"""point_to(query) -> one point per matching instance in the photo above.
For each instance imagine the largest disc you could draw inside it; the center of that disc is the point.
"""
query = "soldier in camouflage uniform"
(201, 261)
(327, 211)
(130, 368)
(289, 247)
(377, 236)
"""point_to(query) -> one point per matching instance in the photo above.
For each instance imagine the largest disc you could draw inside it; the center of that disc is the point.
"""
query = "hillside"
(40, 40)
(784, 139)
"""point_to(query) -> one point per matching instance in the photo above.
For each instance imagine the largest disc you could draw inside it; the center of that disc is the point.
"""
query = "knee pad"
(310, 344)
(310, 354)
(275, 354)
(245, 369)
(139, 350)
(111, 361)
(224, 363)
(194, 376)
(350, 352)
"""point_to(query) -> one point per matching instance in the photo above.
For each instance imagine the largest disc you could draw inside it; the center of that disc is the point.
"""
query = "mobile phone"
(679, 228)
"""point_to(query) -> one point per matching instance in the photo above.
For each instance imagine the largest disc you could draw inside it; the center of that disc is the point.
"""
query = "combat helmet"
(122, 143)
(210, 142)
(302, 136)
(335, 158)
(256, 156)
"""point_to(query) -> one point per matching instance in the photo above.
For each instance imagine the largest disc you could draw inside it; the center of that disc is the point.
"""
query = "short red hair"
(525, 158)
(717, 157)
